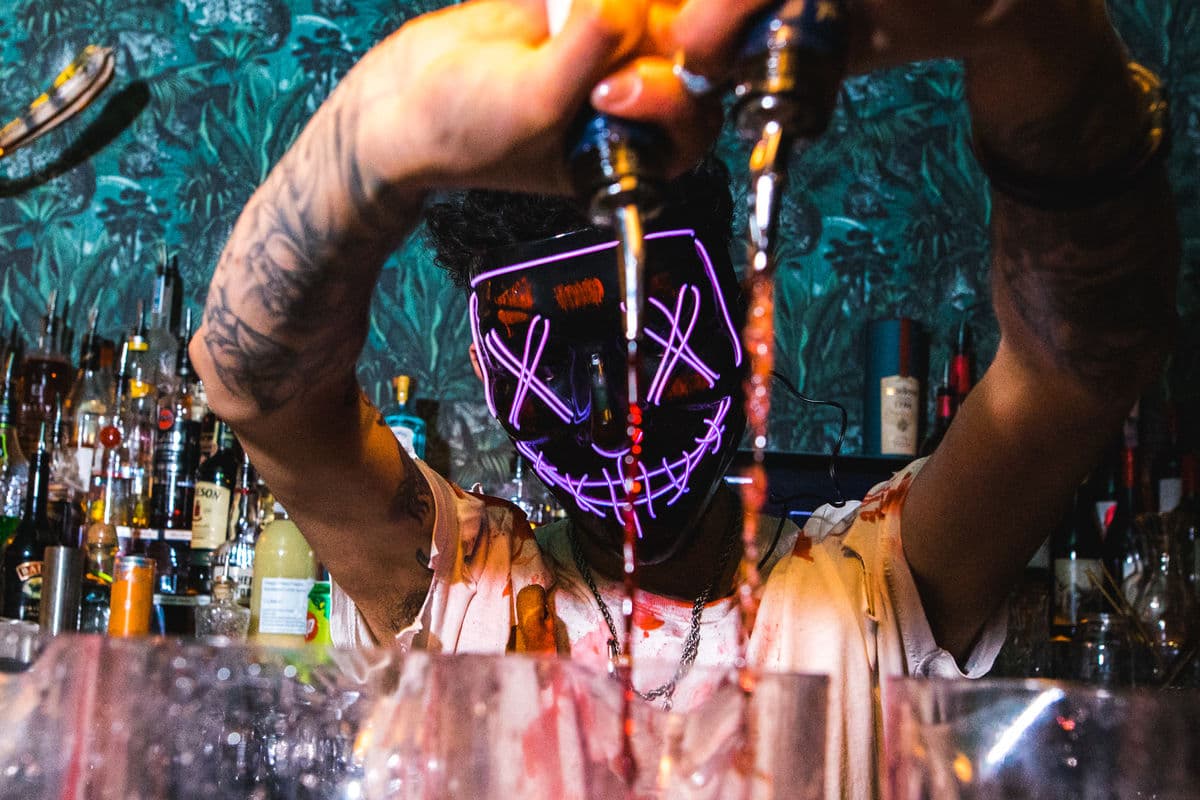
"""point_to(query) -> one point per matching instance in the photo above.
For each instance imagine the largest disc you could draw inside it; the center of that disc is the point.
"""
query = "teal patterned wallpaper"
(887, 214)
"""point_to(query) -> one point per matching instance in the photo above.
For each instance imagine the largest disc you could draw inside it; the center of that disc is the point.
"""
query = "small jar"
(131, 597)
(224, 616)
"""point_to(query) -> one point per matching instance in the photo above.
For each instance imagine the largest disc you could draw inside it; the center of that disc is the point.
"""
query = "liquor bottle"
(962, 364)
(1187, 523)
(139, 424)
(234, 559)
(67, 506)
(47, 378)
(90, 399)
(210, 516)
(14, 468)
(408, 428)
(224, 616)
(176, 458)
(1123, 557)
(946, 406)
(284, 572)
(22, 575)
(102, 543)
(1077, 553)
(1168, 467)
(162, 335)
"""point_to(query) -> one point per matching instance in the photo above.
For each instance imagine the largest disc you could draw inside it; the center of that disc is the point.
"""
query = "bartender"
(479, 96)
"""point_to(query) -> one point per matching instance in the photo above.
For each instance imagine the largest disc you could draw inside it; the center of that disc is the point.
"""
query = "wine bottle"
(1077, 552)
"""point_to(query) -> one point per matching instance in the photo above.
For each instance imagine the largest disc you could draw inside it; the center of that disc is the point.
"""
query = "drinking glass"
(1039, 740)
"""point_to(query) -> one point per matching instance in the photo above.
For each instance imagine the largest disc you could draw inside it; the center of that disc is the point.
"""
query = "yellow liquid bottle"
(284, 570)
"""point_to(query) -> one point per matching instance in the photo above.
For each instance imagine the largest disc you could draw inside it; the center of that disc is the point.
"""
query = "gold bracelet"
(1104, 184)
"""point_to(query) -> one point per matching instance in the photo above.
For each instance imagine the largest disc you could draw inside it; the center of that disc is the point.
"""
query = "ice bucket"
(96, 718)
(1039, 740)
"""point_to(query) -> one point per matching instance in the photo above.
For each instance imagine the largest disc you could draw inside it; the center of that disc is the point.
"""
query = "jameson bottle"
(176, 457)
(210, 513)
(22, 575)
(14, 468)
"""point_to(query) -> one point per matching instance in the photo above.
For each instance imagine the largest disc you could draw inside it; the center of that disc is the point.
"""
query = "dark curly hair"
(464, 226)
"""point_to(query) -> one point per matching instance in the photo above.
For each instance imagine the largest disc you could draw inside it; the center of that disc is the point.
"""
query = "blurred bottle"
(22, 575)
(1168, 466)
(224, 616)
(102, 543)
(284, 572)
(1078, 556)
(1187, 516)
(90, 400)
(176, 459)
(944, 410)
(234, 559)
(962, 364)
(14, 467)
(47, 378)
(408, 428)
(162, 334)
(139, 419)
(67, 507)
(210, 517)
(1123, 557)
(317, 622)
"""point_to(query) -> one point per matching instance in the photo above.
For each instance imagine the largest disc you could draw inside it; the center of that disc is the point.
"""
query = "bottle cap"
(402, 384)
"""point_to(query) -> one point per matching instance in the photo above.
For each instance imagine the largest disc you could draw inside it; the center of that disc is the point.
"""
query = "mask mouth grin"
(663, 482)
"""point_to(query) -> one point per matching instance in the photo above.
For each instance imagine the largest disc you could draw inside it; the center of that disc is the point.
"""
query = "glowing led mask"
(545, 319)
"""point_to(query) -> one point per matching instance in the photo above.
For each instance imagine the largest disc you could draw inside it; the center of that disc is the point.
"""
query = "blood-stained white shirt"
(839, 600)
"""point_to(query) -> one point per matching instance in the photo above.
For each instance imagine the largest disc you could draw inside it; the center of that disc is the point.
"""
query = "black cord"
(837, 447)
(833, 455)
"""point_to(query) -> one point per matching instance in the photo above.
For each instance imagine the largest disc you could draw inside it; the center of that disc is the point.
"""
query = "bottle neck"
(37, 491)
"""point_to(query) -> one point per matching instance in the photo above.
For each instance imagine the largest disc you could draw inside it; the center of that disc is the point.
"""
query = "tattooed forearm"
(287, 309)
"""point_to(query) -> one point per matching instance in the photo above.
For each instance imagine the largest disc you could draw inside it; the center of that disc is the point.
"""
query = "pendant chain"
(691, 645)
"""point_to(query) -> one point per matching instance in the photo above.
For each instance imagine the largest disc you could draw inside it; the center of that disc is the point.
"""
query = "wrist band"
(1106, 183)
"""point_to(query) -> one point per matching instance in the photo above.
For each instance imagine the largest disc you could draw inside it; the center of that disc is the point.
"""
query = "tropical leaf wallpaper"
(887, 214)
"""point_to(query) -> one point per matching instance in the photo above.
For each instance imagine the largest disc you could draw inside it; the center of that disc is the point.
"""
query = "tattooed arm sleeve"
(285, 319)
(1085, 302)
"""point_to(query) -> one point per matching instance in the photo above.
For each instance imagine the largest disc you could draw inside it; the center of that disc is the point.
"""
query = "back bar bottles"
(22, 574)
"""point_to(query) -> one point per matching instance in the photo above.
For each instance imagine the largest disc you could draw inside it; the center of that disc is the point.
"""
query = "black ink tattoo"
(1094, 286)
(289, 302)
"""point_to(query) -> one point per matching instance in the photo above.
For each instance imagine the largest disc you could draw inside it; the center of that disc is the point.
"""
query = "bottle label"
(28, 570)
(210, 517)
(405, 436)
(177, 535)
(283, 606)
(1074, 590)
(85, 458)
(1170, 493)
(898, 400)
(318, 614)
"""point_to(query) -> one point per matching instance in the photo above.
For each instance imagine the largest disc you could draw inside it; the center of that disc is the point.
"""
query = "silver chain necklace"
(691, 645)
